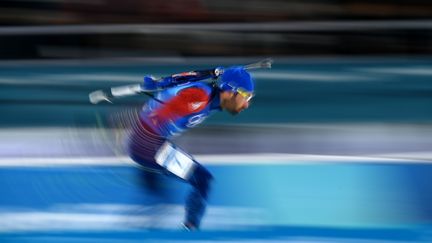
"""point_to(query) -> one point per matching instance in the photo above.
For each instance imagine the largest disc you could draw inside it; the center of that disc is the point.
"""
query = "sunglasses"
(246, 94)
(241, 91)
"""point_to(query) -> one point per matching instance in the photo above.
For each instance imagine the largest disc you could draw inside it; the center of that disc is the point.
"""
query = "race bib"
(175, 160)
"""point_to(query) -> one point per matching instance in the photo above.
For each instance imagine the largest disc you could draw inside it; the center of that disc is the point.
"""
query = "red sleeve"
(186, 102)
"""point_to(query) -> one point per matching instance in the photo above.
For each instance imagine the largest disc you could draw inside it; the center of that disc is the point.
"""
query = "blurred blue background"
(335, 147)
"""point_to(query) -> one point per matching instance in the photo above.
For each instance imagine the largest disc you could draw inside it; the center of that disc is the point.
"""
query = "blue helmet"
(234, 78)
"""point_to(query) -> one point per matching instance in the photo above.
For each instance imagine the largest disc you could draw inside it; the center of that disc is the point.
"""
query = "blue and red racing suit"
(184, 105)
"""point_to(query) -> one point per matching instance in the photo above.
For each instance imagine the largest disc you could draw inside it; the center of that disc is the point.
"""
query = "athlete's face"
(234, 103)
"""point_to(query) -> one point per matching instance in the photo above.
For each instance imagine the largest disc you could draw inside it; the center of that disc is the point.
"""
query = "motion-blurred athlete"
(185, 101)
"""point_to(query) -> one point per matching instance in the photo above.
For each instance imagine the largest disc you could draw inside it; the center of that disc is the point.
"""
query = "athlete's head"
(237, 89)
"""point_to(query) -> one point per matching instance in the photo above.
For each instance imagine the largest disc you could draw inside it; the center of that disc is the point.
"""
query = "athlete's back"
(181, 107)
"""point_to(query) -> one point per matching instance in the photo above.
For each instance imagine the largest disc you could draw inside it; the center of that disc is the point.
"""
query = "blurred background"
(335, 147)
(102, 29)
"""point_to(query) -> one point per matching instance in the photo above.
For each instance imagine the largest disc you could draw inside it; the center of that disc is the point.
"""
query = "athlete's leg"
(196, 201)
(182, 165)
(141, 146)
